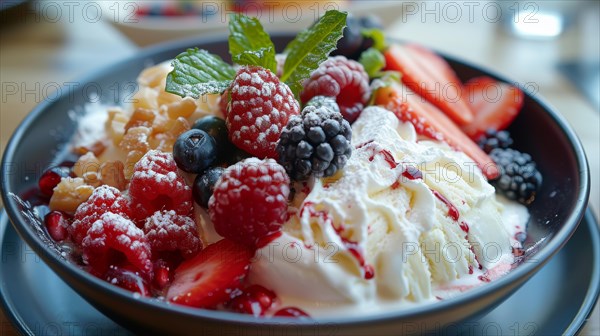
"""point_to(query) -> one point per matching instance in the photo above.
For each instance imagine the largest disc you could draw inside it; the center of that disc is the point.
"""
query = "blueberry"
(214, 126)
(217, 129)
(351, 42)
(194, 151)
(204, 185)
(237, 155)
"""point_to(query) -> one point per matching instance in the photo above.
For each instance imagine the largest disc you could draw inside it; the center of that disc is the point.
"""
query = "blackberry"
(318, 101)
(316, 143)
(494, 139)
(519, 178)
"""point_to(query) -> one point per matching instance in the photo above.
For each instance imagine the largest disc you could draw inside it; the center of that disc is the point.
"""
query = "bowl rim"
(59, 264)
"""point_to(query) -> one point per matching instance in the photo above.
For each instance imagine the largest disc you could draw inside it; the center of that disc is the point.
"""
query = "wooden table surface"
(40, 54)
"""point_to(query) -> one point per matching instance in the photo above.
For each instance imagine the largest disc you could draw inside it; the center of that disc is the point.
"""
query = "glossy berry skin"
(204, 185)
(352, 40)
(249, 201)
(237, 155)
(194, 151)
(291, 312)
(56, 223)
(216, 128)
(254, 300)
(353, 43)
(519, 177)
(50, 178)
(162, 274)
(127, 279)
(343, 79)
(259, 109)
(208, 279)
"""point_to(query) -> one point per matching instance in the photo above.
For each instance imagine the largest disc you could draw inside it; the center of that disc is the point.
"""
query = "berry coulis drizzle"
(352, 247)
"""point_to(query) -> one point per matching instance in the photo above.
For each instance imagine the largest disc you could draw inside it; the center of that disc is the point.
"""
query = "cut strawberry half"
(433, 123)
(211, 276)
(431, 77)
(494, 103)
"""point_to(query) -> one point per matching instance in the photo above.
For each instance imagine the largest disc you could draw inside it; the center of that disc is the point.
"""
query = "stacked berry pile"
(275, 121)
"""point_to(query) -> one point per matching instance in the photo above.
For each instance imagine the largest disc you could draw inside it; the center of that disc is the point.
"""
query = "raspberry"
(249, 201)
(316, 143)
(223, 101)
(104, 199)
(157, 185)
(259, 109)
(114, 240)
(168, 231)
(344, 79)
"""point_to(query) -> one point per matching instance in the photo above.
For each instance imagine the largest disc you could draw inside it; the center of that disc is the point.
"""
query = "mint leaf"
(311, 47)
(198, 72)
(372, 60)
(249, 44)
(376, 35)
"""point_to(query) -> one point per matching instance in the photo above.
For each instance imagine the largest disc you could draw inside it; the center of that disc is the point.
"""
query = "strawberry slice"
(208, 278)
(433, 123)
(431, 77)
(494, 103)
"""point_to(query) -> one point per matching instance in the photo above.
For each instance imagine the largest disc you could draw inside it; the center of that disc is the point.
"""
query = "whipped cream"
(403, 224)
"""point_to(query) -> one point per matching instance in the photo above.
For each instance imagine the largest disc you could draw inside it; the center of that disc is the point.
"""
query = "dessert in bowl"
(344, 210)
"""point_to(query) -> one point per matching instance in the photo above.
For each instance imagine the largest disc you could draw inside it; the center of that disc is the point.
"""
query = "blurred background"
(552, 48)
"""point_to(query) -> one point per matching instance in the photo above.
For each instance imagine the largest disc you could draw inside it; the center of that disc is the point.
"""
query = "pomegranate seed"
(50, 178)
(56, 224)
(255, 300)
(128, 280)
(245, 305)
(291, 312)
(162, 274)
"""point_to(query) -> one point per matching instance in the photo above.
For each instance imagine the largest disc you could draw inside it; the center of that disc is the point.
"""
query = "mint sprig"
(311, 47)
(198, 72)
(249, 44)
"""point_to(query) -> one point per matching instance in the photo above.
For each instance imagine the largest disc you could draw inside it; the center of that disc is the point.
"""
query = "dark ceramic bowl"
(538, 130)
